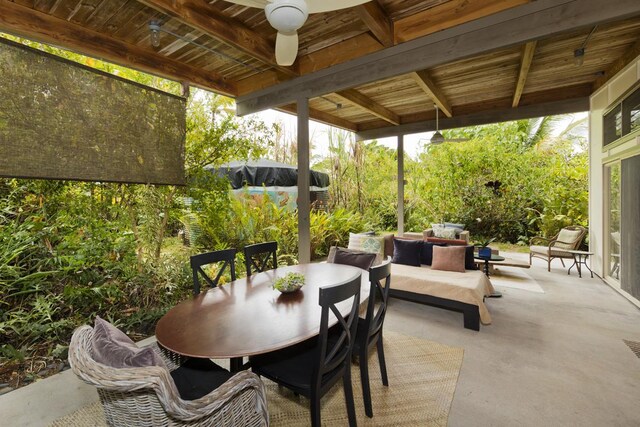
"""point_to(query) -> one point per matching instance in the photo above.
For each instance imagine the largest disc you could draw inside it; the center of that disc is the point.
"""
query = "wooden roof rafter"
(569, 100)
(199, 16)
(525, 64)
(631, 54)
(515, 26)
(356, 98)
(23, 21)
(426, 83)
(376, 19)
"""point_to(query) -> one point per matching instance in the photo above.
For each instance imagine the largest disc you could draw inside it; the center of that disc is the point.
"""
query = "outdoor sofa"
(451, 290)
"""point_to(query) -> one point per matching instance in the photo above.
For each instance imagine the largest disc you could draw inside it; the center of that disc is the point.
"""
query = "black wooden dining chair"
(313, 367)
(261, 257)
(370, 329)
(226, 257)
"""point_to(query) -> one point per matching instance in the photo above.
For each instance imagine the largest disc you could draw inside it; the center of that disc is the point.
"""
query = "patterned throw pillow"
(445, 233)
(367, 243)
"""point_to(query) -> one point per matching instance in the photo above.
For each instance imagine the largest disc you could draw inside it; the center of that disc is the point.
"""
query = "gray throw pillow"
(113, 348)
(361, 260)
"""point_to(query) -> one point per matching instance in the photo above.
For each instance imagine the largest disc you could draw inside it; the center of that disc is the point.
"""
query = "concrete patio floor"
(553, 358)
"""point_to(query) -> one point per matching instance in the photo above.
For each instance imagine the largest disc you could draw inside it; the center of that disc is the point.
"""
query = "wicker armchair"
(569, 238)
(148, 396)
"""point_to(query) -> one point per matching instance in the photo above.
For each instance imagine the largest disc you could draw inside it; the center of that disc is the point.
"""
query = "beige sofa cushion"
(544, 250)
(470, 287)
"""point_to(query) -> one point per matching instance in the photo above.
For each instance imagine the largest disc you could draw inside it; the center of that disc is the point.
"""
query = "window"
(622, 119)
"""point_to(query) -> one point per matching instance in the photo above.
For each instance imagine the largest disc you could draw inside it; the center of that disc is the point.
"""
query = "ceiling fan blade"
(286, 48)
(260, 4)
(319, 6)
(457, 139)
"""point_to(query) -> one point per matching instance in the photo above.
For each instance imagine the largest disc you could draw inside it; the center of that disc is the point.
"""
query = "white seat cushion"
(544, 250)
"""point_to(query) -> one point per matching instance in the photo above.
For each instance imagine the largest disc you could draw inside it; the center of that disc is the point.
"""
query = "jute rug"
(422, 381)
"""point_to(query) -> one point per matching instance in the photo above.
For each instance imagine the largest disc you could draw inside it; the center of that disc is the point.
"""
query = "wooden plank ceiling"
(540, 71)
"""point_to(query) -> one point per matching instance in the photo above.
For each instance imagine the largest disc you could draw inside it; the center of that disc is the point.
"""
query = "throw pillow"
(407, 252)
(448, 258)
(567, 236)
(366, 243)
(113, 348)
(362, 260)
(469, 260)
(459, 227)
(446, 233)
(427, 252)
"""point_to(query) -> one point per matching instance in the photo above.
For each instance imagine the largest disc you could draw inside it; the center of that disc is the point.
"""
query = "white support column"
(400, 185)
(304, 202)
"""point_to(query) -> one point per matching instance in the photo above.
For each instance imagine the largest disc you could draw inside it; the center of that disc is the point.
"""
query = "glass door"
(612, 237)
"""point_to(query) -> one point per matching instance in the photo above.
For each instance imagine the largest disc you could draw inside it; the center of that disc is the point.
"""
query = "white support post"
(304, 200)
(400, 185)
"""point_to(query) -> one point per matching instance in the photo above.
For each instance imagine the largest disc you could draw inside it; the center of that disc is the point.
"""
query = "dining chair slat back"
(370, 328)
(225, 257)
(260, 257)
(312, 368)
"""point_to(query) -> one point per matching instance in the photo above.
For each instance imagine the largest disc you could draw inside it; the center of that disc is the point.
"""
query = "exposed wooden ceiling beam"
(582, 90)
(566, 106)
(199, 15)
(525, 64)
(360, 100)
(446, 15)
(322, 117)
(511, 27)
(376, 19)
(26, 22)
(631, 54)
(426, 84)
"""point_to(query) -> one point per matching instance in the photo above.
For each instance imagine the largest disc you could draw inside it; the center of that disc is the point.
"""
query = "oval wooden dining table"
(247, 317)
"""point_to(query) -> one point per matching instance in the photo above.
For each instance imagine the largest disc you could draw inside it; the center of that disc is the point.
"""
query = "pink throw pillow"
(448, 258)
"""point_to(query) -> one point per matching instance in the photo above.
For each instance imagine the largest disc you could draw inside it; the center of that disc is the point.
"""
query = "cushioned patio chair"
(569, 238)
(148, 396)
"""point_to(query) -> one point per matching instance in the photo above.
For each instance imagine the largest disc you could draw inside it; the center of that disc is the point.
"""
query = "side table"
(580, 259)
(494, 258)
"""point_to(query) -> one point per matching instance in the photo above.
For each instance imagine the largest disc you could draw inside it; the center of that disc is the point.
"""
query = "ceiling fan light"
(437, 138)
(287, 16)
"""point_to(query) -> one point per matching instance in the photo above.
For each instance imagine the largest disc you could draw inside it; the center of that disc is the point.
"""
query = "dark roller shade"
(266, 173)
(61, 120)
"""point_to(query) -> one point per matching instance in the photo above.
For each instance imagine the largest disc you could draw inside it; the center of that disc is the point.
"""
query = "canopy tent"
(267, 173)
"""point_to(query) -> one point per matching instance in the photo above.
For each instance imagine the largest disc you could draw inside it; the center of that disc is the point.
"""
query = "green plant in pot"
(289, 283)
(484, 251)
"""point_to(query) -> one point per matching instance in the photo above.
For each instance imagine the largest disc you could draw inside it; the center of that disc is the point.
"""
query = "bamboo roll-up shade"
(62, 120)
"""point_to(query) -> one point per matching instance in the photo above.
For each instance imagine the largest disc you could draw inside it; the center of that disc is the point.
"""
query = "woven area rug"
(515, 278)
(422, 381)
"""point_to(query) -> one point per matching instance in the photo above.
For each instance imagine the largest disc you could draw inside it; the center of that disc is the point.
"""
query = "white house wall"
(629, 146)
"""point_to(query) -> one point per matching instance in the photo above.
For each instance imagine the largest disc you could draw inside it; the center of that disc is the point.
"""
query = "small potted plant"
(484, 251)
(289, 283)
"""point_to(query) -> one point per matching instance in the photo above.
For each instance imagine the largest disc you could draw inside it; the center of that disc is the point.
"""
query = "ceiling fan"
(437, 137)
(288, 16)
